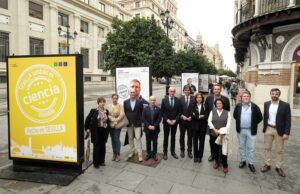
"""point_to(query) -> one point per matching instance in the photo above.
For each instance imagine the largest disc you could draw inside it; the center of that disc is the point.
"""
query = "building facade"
(267, 45)
(213, 53)
(38, 27)
(147, 8)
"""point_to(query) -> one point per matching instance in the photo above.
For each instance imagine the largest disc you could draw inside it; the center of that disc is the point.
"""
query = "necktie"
(187, 101)
(172, 102)
(152, 115)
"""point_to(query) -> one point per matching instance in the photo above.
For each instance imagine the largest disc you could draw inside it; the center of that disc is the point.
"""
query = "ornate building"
(147, 8)
(213, 54)
(267, 45)
(37, 27)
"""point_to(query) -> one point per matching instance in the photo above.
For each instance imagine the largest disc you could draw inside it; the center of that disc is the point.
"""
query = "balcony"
(260, 20)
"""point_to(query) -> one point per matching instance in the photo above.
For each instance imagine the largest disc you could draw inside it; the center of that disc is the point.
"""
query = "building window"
(36, 46)
(100, 60)
(137, 15)
(137, 4)
(4, 46)
(87, 78)
(3, 79)
(4, 4)
(62, 48)
(121, 16)
(35, 10)
(102, 6)
(63, 19)
(85, 1)
(84, 26)
(100, 32)
(103, 79)
(85, 57)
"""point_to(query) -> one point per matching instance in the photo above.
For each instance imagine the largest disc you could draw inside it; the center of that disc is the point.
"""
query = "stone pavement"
(173, 176)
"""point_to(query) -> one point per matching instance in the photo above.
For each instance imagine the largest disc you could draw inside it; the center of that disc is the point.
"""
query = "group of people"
(196, 116)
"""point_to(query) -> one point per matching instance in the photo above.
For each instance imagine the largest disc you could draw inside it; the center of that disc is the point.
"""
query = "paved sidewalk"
(174, 176)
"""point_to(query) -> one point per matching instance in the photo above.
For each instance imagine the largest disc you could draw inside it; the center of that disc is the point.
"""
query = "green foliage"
(139, 42)
(226, 72)
(190, 61)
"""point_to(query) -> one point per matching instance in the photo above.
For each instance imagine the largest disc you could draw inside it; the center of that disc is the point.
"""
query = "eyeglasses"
(172, 91)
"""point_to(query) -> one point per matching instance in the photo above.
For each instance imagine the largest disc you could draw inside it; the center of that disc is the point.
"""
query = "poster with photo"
(190, 79)
(203, 82)
(212, 78)
(136, 78)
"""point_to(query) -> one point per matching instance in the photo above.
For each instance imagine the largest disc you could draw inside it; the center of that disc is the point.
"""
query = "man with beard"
(277, 126)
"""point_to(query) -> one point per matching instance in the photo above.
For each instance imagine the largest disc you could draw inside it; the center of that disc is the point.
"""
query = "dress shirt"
(132, 103)
(187, 99)
(246, 113)
(199, 108)
(273, 112)
(171, 100)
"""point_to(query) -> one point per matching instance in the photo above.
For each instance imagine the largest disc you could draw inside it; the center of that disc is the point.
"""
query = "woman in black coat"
(97, 124)
(199, 125)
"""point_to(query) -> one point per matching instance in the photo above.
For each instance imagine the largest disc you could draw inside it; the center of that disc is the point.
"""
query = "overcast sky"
(213, 19)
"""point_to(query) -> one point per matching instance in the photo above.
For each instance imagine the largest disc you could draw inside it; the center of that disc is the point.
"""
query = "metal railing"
(247, 10)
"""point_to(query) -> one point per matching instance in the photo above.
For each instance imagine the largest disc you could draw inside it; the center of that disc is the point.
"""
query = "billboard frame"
(79, 118)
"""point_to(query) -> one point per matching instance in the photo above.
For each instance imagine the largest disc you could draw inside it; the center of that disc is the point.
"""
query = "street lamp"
(167, 23)
(68, 35)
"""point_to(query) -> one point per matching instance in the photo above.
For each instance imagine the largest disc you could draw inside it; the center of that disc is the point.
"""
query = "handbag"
(123, 123)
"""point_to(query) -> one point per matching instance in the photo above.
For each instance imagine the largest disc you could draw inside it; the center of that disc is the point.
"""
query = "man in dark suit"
(247, 115)
(170, 107)
(151, 118)
(185, 124)
(277, 125)
(133, 109)
(209, 106)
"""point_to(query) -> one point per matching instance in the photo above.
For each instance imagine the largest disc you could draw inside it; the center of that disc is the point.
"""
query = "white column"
(256, 7)
(53, 32)
(22, 28)
(292, 3)
(239, 12)
(77, 29)
(93, 48)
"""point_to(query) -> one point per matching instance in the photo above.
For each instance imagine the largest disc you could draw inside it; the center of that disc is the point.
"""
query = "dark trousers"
(167, 129)
(199, 140)
(151, 138)
(212, 140)
(217, 153)
(186, 127)
(100, 148)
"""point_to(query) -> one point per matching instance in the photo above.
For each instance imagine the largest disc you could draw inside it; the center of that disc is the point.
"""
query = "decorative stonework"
(288, 51)
(261, 50)
(279, 41)
(253, 53)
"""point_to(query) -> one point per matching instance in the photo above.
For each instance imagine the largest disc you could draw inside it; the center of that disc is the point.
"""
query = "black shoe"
(211, 158)
(147, 157)
(182, 154)
(190, 155)
(102, 164)
(96, 166)
(174, 155)
(200, 160)
(165, 156)
(280, 172)
(196, 159)
(154, 156)
(242, 164)
(252, 168)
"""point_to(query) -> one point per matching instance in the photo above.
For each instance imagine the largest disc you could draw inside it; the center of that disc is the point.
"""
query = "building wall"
(21, 27)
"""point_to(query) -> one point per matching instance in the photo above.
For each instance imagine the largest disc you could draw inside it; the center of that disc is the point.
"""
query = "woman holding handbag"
(97, 124)
(116, 117)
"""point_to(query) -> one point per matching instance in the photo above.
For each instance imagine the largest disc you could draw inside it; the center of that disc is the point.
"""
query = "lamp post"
(67, 35)
(168, 24)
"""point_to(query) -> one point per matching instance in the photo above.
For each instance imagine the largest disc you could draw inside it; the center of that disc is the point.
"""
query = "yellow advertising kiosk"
(45, 109)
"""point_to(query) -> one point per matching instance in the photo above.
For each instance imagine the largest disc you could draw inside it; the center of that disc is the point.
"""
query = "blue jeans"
(247, 145)
(115, 140)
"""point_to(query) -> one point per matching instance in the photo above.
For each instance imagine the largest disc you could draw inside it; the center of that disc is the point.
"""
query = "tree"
(139, 42)
(190, 61)
(226, 72)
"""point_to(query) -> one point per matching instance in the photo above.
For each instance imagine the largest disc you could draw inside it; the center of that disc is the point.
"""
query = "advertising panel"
(203, 86)
(42, 108)
(137, 78)
(190, 79)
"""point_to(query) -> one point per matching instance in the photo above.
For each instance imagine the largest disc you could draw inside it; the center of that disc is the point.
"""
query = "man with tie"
(170, 107)
(209, 106)
(277, 126)
(185, 124)
(133, 109)
(151, 118)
